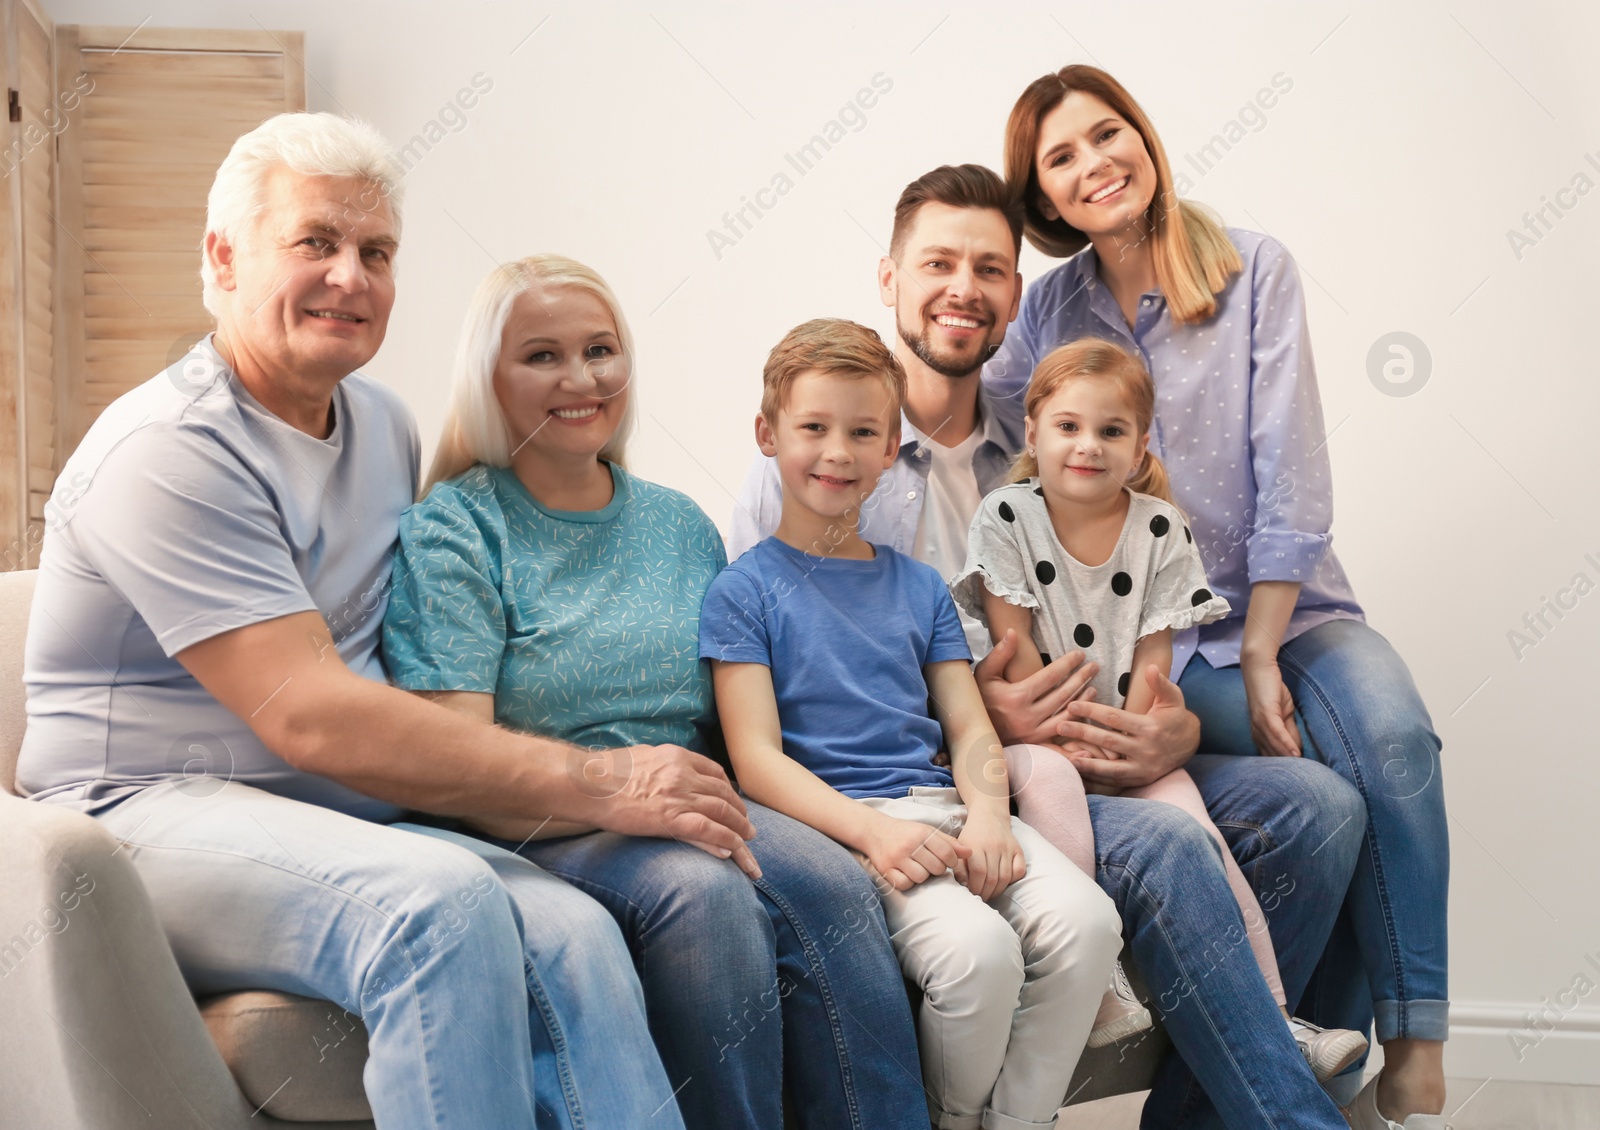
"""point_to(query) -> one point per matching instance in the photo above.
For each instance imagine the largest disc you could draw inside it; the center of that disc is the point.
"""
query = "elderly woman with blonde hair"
(543, 586)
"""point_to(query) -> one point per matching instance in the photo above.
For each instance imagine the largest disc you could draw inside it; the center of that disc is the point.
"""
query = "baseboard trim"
(1535, 1043)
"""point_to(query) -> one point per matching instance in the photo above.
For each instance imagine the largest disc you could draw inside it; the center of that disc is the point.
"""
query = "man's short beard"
(925, 354)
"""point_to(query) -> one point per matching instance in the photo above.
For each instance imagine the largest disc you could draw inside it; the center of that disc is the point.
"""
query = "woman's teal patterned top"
(584, 625)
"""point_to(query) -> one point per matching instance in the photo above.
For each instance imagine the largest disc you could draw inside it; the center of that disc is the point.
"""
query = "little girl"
(1084, 549)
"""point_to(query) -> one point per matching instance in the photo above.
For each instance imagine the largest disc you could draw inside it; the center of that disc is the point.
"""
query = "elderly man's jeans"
(1295, 829)
(1360, 714)
(493, 994)
(737, 974)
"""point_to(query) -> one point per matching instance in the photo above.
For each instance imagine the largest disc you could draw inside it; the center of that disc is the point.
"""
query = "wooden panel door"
(162, 109)
(41, 116)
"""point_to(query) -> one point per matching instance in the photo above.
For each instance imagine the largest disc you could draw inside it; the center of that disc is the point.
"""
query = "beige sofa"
(99, 1031)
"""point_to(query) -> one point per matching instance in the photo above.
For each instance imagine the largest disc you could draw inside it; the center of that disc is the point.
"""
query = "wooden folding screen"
(165, 107)
(107, 148)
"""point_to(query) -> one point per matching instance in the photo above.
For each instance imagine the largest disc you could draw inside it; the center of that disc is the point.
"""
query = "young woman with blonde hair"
(1218, 316)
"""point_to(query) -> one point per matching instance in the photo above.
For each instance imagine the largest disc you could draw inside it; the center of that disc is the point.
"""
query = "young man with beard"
(1295, 826)
(951, 276)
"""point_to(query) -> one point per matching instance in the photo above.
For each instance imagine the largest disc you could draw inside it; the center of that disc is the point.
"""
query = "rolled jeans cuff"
(1411, 1020)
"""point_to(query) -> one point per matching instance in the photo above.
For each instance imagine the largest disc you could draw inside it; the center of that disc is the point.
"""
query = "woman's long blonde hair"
(1192, 253)
(1096, 357)
(475, 427)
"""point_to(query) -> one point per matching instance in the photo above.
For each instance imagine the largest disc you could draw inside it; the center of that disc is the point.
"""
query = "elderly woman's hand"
(668, 792)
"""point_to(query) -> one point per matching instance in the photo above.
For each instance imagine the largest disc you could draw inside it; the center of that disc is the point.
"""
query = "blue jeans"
(1360, 714)
(735, 973)
(493, 993)
(1295, 829)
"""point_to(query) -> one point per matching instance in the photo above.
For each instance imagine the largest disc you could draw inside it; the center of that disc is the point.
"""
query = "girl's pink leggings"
(1051, 800)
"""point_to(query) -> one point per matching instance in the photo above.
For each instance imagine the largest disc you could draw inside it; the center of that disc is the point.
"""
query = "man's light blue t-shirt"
(583, 624)
(187, 511)
(846, 641)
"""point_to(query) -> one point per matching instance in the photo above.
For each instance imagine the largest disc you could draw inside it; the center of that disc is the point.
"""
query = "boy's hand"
(906, 853)
(997, 860)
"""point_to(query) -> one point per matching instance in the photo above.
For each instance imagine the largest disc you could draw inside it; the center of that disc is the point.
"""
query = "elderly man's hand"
(1142, 748)
(668, 792)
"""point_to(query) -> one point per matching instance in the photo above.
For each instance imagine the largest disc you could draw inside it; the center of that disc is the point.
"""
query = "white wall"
(1412, 139)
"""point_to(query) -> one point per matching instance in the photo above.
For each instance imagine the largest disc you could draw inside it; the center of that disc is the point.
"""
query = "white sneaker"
(1328, 1050)
(1120, 1015)
(1362, 1114)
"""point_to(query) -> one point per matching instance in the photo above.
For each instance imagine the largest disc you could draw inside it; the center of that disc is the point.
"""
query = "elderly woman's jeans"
(1360, 714)
(493, 993)
(737, 973)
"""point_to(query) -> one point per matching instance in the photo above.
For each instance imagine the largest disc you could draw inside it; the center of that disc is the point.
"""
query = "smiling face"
(955, 287)
(1087, 441)
(1093, 167)
(562, 378)
(307, 289)
(833, 437)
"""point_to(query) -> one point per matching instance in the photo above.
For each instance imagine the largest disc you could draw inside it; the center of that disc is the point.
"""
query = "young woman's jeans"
(493, 994)
(1360, 714)
(1295, 829)
(737, 973)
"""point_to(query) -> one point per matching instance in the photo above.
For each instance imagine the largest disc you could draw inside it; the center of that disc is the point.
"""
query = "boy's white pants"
(1010, 987)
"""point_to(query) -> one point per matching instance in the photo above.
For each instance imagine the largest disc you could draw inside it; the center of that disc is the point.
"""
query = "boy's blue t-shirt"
(846, 642)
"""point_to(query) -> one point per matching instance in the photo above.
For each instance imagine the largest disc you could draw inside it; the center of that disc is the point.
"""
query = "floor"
(1472, 1105)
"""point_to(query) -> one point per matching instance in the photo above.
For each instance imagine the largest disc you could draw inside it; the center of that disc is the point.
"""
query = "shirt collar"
(1084, 273)
(990, 423)
(1085, 267)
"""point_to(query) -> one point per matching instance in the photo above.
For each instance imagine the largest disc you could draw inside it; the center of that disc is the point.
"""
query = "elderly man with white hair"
(203, 676)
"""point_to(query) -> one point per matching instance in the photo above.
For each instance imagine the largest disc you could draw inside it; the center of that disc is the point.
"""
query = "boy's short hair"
(838, 347)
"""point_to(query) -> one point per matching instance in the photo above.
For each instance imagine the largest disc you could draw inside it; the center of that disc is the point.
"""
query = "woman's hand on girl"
(997, 859)
(1272, 722)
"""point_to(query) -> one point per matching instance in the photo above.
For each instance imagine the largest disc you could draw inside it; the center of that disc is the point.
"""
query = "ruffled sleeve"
(1179, 596)
(995, 559)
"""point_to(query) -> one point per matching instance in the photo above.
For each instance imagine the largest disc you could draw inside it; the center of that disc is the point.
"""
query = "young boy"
(841, 671)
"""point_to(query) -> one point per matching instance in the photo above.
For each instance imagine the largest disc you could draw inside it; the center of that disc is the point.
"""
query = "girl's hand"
(1272, 722)
(1081, 753)
(1074, 749)
(997, 860)
(905, 853)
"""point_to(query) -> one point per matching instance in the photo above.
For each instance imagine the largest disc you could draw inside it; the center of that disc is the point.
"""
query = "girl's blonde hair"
(475, 428)
(1096, 357)
(1192, 253)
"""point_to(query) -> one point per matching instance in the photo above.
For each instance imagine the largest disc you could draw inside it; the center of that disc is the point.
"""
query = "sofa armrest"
(100, 1028)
